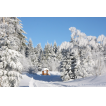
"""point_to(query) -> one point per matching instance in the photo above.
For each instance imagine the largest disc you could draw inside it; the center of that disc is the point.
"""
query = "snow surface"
(54, 80)
(45, 69)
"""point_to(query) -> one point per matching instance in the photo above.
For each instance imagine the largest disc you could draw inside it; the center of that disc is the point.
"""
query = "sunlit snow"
(39, 80)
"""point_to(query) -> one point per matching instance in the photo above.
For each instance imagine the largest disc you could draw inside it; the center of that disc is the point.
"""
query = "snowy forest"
(83, 56)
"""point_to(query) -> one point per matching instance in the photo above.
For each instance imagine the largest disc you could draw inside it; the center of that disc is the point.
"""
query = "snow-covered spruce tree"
(55, 47)
(55, 52)
(29, 48)
(39, 55)
(11, 42)
(68, 65)
(54, 62)
(70, 60)
(36, 55)
(46, 56)
(29, 53)
(51, 57)
(39, 49)
(47, 51)
(57, 58)
(31, 58)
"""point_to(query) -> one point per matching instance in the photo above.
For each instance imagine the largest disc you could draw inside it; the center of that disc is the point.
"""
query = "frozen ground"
(54, 80)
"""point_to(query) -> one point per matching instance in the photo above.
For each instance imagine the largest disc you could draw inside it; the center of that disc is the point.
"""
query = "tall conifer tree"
(12, 41)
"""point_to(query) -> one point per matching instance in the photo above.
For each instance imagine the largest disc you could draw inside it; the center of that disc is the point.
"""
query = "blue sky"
(43, 29)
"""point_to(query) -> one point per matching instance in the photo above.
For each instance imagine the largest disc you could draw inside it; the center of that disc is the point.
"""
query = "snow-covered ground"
(54, 80)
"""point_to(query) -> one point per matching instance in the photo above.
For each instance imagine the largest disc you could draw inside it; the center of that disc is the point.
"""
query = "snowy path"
(55, 81)
(39, 80)
(25, 81)
(43, 84)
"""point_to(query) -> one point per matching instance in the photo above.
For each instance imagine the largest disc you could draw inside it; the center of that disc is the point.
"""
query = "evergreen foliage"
(88, 55)
(12, 42)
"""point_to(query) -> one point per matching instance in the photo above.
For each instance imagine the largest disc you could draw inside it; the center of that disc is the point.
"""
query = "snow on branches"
(88, 53)
(11, 43)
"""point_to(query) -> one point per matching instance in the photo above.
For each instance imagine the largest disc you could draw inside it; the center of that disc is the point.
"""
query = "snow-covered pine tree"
(11, 42)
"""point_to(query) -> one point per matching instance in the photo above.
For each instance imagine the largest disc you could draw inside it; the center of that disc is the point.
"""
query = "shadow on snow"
(47, 78)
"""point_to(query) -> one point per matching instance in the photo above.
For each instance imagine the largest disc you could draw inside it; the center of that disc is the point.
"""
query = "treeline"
(39, 58)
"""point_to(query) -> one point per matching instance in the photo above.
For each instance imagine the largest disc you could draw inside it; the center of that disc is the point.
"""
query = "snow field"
(31, 80)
